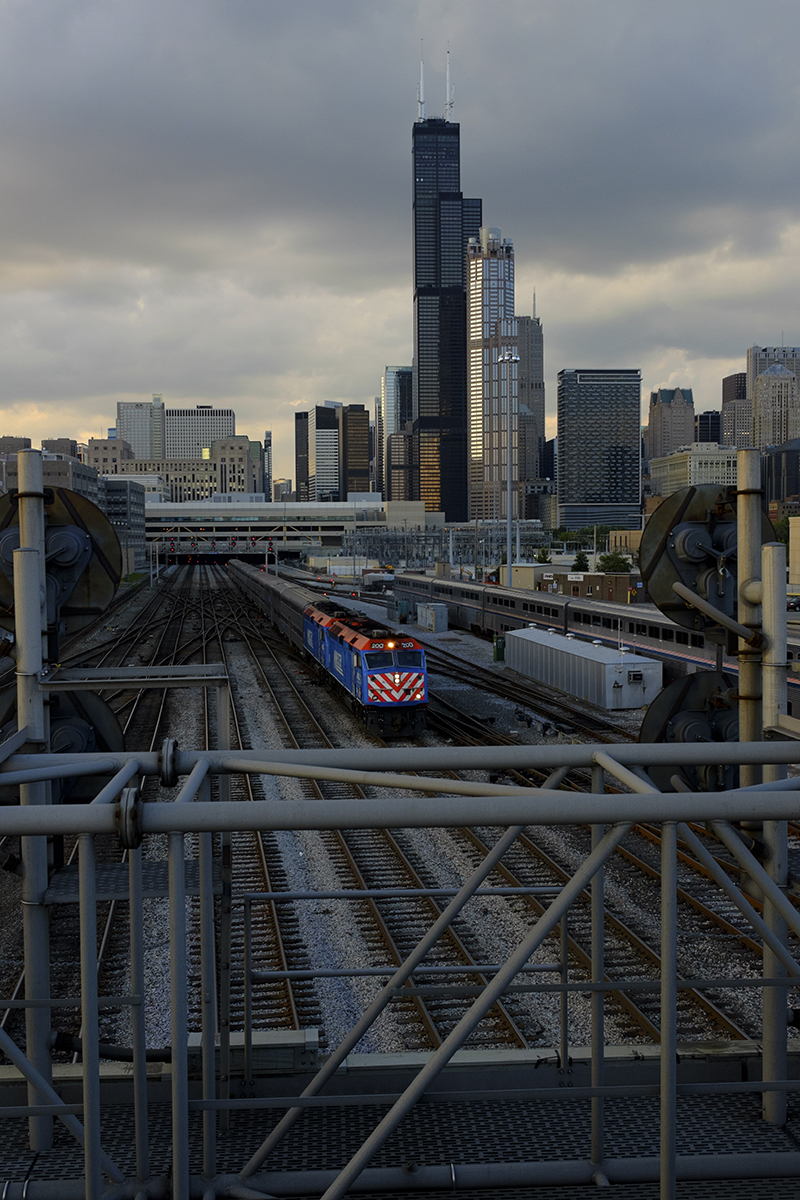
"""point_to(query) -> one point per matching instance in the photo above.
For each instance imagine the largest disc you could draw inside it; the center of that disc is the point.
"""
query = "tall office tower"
(734, 391)
(550, 458)
(530, 396)
(490, 327)
(323, 454)
(190, 431)
(708, 426)
(301, 455)
(393, 411)
(141, 424)
(599, 448)
(353, 449)
(776, 409)
(281, 490)
(268, 463)
(670, 422)
(399, 466)
(761, 357)
(444, 221)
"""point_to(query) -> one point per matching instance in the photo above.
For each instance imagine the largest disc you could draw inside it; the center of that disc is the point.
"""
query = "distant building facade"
(282, 490)
(65, 446)
(708, 426)
(301, 455)
(782, 472)
(190, 431)
(490, 330)
(233, 465)
(599, 448)
(107, 454)
(267, 463)
(696, 464)
(670, 421)
(10, 445)
(354, 473)
(399, 466)
(124, 507)
(759, 358)
(323, 454)
(776, 410)
(736, 412)
(393, 412)
(57, 471)
(141, 423)
(530, 397)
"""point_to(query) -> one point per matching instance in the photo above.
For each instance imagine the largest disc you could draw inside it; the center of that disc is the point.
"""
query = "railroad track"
(631, 955)
(389, 928)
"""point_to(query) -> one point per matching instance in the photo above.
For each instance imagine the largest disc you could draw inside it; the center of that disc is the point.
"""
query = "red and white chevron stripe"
(393, 687)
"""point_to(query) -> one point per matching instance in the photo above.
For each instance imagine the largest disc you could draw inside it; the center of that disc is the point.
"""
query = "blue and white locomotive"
(381, 675)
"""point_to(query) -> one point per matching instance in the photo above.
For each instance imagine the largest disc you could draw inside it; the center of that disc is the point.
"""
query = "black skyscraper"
(444, 221)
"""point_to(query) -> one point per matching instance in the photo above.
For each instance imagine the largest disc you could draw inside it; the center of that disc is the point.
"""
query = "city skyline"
(218, 209)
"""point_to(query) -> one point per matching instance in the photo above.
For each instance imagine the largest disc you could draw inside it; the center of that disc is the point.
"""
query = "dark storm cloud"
(213, 199)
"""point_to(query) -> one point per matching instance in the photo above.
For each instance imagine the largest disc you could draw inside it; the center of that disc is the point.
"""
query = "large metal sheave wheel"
(84, 559)
(691, 539)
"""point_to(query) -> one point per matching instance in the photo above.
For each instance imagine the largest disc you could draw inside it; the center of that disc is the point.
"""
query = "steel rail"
(286, 990)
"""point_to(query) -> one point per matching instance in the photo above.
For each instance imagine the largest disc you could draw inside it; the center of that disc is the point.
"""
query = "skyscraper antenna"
(534, 304)
(448, 104)
(421, 92)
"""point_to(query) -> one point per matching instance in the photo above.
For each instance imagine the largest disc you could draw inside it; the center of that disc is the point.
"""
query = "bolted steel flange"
(129, 818)
(166, 762)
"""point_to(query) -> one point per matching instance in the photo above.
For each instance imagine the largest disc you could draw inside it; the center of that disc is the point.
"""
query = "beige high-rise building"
(761, 357)
(490, 328)
(776, 410)
(670, 421)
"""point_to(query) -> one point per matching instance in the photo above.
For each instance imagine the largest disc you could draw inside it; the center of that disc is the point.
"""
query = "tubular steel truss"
(118, 810)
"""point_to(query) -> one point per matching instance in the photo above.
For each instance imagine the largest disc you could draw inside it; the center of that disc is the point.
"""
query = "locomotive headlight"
(397, 679)
(391, 645)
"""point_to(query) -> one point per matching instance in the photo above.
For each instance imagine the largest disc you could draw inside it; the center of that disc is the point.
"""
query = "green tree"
(614, 563)
(542, 555)
(782, 530)
(581, 561)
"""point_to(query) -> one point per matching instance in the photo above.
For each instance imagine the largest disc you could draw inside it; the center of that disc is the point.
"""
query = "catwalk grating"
(439, 1133)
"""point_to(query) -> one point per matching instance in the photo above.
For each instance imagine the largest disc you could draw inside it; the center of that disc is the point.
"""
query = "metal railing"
(434, 803)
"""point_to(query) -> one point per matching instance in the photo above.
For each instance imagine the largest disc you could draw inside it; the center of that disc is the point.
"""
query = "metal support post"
(564, 1048)
(598, 974)
(225, 917)
(208, 985)
(749, 568)
(90, 1018)
(35, 917)
(669, 1001)
(178, 1000)
(248, 990)
(138, 1033)
(775, 833)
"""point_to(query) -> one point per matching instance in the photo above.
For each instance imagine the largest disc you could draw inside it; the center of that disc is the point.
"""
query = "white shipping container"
(433, 617)
(605, 677)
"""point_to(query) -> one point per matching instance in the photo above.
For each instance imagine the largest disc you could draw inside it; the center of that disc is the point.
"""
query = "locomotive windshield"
(409, 658)
(380, 658)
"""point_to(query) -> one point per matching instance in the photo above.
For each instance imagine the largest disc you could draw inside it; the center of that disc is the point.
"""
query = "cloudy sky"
(212, 198)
